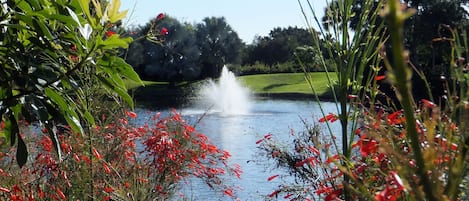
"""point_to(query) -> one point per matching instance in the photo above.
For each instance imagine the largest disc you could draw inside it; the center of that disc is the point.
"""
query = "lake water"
(238, 134)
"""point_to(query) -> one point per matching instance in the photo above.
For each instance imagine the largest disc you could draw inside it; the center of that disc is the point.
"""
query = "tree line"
(197, 51)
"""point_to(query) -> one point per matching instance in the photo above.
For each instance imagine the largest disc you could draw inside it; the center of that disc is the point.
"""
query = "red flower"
(259, 141)
(397, 181)
(106, 168)
(330, 117)
(164, 31)
(132, 115)
(367, 146)
(274, 193)
(6, 190)
(228, 192)
(395, 118)
(96, 153)
(332, 159)
(108, 189)
(428, 103)
(61, 194)
(77, 159)
(334, 195)
(380, 77)
(272, 177)
(314, 150)
(74, 58)
(46, 143)
(160, 16)
(110, 33)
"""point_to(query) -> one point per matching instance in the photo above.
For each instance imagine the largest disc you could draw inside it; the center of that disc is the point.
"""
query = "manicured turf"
(287, 83)
(283, 84)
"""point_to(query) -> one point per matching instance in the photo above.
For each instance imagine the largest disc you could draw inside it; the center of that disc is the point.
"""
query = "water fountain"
(226, 96)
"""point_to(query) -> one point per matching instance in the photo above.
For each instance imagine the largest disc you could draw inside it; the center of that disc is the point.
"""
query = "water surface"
(238, 134)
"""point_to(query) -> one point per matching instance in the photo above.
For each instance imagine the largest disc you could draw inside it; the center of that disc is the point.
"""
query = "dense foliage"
(403, 148)
(176, 59)
(118, 161)
(50, 51)
(427, 36)
(64, 100)
(192, 52)
(187, 53)
(291, 49)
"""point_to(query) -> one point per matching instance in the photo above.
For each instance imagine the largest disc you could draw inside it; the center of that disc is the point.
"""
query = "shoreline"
(179, 96)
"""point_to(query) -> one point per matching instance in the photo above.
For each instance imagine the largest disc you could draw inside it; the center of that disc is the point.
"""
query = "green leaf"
(42, 29)
(115, 41)
(118, 90)
(67, 110)
(21, 152)
(89, 118)
(39, 109)
(113, 11)
(51, 130)
(85, 6)
(35, 4)
(115, 64)
(74, 123)
(126, 70)
(11, 128)
(23, 5)
(56, 98)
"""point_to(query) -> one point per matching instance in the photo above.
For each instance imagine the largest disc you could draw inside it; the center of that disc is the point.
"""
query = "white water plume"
(226, 96)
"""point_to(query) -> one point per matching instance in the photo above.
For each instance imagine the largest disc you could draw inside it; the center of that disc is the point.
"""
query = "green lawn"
(287, 83)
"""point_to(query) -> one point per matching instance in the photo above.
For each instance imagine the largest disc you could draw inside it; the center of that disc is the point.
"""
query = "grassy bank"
(284, 85)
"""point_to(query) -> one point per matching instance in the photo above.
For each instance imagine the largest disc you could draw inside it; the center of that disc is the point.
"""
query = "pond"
(237, 133)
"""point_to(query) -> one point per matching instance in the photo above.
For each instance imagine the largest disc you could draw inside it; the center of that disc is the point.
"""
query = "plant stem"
(402, 76)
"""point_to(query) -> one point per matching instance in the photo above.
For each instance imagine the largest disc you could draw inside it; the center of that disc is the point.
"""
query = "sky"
(249, 18)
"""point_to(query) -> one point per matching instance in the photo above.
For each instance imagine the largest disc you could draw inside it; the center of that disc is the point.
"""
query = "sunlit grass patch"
(286, 83)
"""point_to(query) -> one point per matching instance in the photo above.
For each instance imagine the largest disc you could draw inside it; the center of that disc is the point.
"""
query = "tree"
(50, 50)
(427, 29)
(219, 44)
(279, 46)
(427, 35)
(174, 57)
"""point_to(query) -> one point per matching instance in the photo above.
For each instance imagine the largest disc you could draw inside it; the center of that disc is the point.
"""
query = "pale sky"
(247, 17)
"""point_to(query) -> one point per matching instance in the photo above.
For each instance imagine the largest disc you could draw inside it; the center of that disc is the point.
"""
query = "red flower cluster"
(170, 151)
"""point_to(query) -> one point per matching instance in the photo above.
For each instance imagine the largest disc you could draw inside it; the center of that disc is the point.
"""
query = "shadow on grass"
(272, 86)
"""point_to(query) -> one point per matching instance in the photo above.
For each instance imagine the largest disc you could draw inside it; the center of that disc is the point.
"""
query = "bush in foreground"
(117, 161)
